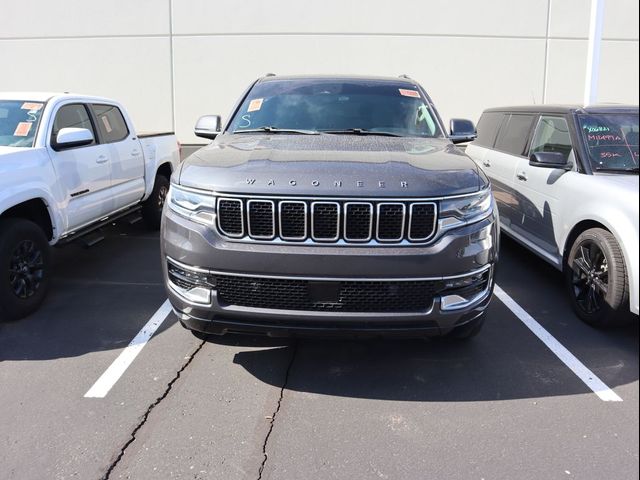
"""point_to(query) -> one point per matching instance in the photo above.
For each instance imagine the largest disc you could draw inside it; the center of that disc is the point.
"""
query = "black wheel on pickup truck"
(24, 268)
(596, 278)
(152, 206)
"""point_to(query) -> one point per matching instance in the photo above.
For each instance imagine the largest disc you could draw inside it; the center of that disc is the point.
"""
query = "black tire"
(24, 268)
(596, 278)
(466, 331)
(152, 206)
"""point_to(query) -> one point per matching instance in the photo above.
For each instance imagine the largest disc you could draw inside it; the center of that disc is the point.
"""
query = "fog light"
(462, 282)
(194, 285)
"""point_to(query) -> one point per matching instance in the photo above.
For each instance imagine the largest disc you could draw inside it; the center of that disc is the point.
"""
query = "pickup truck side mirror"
(550, 160)
(462, 130)
(208, 126)
(72, 138)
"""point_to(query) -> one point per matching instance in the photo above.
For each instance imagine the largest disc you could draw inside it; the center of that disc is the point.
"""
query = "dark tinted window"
(514, 134)
(488, 128)
(72, 116)
(319, 104)
(111, 123)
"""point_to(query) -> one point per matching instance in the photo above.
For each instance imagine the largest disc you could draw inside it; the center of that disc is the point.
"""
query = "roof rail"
(404, 75)
(270, 75)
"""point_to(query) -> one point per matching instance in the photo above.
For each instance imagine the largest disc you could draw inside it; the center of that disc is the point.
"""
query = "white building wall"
(171, 61)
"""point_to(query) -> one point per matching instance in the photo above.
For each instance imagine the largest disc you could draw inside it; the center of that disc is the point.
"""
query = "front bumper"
(470, 250)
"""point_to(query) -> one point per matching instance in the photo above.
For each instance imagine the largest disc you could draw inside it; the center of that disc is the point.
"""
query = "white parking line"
(112, 374)
(575, 365)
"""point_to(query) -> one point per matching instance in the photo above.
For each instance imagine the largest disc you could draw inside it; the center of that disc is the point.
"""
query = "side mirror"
(549, 160)
(208, 126)
(462, 130)
(71, 138)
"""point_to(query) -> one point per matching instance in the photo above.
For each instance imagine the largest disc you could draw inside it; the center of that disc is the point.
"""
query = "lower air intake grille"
(350, 296)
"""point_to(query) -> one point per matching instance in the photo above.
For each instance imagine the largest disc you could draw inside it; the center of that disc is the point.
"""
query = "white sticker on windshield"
(255, 105)
(31, 106)
(409, 93)
(23, 129)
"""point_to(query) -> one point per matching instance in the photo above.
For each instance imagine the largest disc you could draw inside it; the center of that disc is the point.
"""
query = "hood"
(332, 165)
(620, 183)
(7, 150)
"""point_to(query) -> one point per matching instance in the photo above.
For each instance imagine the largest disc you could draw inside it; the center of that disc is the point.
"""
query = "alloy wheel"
(590, 277)
(26, 269)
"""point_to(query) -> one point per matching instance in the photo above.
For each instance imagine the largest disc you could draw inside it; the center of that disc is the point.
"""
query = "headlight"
(198, 207)
(455, 212)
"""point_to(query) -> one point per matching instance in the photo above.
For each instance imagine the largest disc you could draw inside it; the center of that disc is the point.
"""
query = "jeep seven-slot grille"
(351, 221)
(349, 296)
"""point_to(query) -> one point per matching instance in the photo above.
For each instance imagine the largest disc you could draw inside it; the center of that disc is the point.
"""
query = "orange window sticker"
(255, 105)
(31, 106)
(409, 93)
(23, 129)
(107, 125)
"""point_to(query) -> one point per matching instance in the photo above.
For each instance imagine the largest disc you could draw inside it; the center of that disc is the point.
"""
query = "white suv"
(566, 183)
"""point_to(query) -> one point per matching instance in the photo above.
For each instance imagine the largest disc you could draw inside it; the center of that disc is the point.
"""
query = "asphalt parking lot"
(502, 406)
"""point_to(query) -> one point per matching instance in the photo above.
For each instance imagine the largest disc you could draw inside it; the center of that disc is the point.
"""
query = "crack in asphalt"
(275, 413)
(145, 417)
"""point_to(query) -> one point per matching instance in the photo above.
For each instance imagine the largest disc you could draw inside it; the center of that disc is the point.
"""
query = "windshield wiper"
(618, 170)
(269, 129)
(362, 131)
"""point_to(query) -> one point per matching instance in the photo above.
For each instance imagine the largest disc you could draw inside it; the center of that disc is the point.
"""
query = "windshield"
(611, 140)
(19, 122)
(337, 106)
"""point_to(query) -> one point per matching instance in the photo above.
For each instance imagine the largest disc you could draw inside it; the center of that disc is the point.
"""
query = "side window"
(72, 116)
(552, 135)
(111, 123)
(488, 128)
(514, 134)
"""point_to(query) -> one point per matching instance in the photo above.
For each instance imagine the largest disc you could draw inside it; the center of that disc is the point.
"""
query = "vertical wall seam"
(545, 79)
(172, 68)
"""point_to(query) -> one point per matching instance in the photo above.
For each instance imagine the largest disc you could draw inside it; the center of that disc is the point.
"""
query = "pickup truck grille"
(334, 221)
(349, 296)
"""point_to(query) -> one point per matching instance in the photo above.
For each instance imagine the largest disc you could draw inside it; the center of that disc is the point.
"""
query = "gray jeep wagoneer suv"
(331, 205)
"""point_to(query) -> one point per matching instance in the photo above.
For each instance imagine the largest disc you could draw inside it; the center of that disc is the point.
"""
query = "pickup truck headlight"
(199, 207)
(456, 212)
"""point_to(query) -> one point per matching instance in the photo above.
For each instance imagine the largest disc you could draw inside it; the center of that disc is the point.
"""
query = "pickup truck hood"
(8, 150)
(338, 165)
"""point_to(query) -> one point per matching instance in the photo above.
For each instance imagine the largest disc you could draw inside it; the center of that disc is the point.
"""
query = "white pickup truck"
(68, 165)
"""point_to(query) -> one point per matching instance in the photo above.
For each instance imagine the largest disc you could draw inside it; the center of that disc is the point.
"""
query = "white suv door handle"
(102, 159)
(522, 176)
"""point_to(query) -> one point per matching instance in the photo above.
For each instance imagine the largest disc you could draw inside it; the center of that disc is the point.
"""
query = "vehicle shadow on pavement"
(421, 370)
(505, 361)
(99, 300)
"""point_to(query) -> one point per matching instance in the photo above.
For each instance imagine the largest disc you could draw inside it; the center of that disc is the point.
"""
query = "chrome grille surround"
(255, 222)
(345, 218)
(221, 219)
(282, 215)
(295, 220)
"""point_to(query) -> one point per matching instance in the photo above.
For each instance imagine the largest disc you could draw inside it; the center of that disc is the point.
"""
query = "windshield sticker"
(255, 105)
(107, 125)
(409, 93)
(23, 129)
(31, 106)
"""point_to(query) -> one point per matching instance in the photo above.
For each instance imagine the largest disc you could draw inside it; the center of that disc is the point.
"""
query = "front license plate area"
(324, 292)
